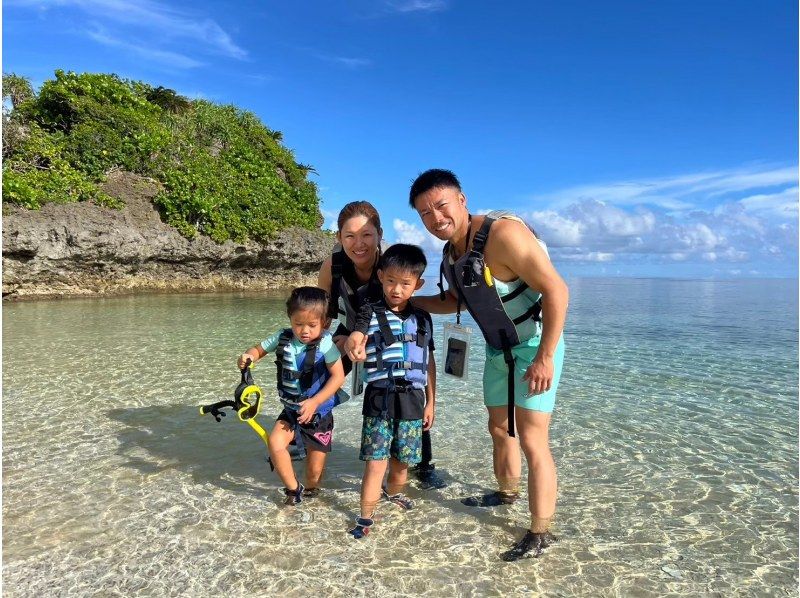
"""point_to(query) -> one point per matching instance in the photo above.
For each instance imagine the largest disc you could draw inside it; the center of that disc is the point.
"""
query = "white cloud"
(164, 24)
(170, 58)
(678, 192)
(347, 62)
(406, 232)
(731, 215)
(406, 6)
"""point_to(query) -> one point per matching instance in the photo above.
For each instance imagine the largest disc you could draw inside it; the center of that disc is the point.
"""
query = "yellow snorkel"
(246, 401)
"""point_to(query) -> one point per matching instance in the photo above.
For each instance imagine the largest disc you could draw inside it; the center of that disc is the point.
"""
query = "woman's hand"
(356, 347)
(244, 359)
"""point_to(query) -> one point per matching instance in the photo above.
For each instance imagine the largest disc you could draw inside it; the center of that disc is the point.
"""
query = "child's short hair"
(307, 298)
(408, 258)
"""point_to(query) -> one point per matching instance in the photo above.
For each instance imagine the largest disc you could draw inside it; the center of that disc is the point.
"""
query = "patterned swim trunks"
(398, 438)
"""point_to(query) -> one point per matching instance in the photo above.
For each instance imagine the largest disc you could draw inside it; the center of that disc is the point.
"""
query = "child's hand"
(428, 416)
(307, 410)
(243, 359)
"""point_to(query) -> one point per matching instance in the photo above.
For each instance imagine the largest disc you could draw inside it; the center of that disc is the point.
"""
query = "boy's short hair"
(432, 179)
(307, 298)
(405, 257)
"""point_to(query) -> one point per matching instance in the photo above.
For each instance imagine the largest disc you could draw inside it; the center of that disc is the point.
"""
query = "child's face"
(307, 325)
(398, 286)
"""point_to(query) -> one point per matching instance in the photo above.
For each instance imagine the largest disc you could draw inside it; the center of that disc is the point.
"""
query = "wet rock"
(85, 249)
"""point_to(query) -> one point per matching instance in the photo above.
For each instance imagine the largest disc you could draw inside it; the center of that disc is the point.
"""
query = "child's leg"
(279, 439)
(315, 465)
(398, 476)
(371, 486)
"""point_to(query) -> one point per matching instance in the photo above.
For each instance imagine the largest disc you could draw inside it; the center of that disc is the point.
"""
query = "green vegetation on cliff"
(224, 173)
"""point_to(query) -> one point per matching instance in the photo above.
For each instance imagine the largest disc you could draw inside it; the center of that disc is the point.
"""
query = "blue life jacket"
(397, 349)
(298, 382)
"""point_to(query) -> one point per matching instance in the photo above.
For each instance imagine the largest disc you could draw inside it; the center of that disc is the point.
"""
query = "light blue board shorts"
(495, 377)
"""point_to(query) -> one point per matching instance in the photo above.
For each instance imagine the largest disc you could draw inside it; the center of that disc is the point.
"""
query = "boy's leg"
(398, 476)
(282, 434)
(406, 450)
(371, 486)
(375, 441)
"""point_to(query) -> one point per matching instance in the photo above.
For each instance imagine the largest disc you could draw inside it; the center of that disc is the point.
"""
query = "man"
(497, 269)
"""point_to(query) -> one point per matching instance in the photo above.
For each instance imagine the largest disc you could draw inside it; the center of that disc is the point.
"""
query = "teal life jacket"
(505, 321)
(397, 349)
(297, 382)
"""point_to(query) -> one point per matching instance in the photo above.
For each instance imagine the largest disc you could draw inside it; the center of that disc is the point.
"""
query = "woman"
(350, 275)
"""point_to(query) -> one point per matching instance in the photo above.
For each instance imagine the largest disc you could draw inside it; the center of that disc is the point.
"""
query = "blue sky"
(638, 138)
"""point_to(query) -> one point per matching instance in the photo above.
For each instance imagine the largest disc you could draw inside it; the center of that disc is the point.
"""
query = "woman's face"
(360, 240)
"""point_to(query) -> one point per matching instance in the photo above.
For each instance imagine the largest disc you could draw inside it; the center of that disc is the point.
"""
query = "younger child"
(309, 375)
(395, 341)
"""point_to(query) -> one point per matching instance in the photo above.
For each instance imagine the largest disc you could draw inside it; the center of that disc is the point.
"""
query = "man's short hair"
(404, 257)
(431, 179)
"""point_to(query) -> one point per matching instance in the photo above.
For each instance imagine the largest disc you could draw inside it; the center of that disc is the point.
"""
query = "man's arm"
(434, 304)
(512, 246)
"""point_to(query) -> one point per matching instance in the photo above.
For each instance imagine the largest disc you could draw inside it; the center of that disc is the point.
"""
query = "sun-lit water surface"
(675, 434)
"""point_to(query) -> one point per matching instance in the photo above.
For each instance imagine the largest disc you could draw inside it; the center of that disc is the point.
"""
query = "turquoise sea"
(675, 436)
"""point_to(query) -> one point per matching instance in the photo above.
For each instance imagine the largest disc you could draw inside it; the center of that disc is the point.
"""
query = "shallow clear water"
(675, 435)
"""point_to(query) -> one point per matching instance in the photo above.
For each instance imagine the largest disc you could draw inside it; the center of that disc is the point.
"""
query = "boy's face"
(398, 286)
(307, 325)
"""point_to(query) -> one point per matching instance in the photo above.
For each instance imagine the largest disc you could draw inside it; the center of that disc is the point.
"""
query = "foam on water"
(675, 436)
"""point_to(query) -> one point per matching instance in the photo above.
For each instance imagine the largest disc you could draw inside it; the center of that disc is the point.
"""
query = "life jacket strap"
(509, 359)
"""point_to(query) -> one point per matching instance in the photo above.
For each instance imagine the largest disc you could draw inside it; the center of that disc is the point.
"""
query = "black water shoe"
(493, 499)
(427, 476)
(531, 546)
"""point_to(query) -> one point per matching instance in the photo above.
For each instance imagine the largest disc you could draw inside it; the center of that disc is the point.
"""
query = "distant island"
(112, 186)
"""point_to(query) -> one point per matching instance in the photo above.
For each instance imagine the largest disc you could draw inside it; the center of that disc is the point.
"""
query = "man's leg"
(533, 428)
(506, 460)
(534, 436)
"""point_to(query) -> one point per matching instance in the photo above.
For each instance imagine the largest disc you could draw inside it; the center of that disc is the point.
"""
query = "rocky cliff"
(84, 249)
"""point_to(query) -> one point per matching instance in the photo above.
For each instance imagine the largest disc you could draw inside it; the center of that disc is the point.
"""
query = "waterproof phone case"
(456, 347)
(357, 382)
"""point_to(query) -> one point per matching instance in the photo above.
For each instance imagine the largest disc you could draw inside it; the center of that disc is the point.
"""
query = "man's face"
(443, 211)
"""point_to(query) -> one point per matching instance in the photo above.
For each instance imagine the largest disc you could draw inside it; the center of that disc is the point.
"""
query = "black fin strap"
(509, 359)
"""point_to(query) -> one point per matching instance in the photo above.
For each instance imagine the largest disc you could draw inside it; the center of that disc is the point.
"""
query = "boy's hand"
(243, 359)
(428, 416)
(307, 410)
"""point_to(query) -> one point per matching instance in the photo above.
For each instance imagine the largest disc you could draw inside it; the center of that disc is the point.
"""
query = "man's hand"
(539, 375)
